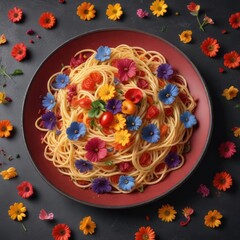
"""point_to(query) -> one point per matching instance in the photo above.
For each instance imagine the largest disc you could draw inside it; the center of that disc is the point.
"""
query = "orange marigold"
(5, 128)
(222, 181)
(234, 20)
(86, 11)
(210, 47)
(47, 20)
(231, 59)
(145, 233)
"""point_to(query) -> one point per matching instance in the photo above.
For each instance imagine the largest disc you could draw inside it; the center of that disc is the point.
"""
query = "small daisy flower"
(19, 51)
(122, 137)
(210, 47)
(222, 181)
(227, 149)
(106, 92)
(9, 173)
(167, 213)
(213, 219)
(86, 11)
(158, 8)
(234, 20)
(15, 15)
(114, 12)
(17, 211)
(61, 231)
(47, 20)
(231, 59)
(87, 225)
(142, 13)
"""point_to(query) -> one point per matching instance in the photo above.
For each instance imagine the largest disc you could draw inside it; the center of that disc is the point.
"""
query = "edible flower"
(165, 71)
(61, 231)
(145, 233)
(114, 106)
(141, 13)
(234, 20)
(3, 39)
(167, 213)
(5, 128)
(126, 69)
(134, 94)
(19, 51)
(47, 20)
(193, 8)
(15, 14)
(152, 112)
(101, 185)
(119, 122)
(49, 120)
(168, 94)
(126, 183)
(61, 81)
(114, 12)
(231, 59)
(83, 165)
(106, 92)
(236, 131)
(96, 149)
(186, 36)
(86, 11)
(230, 93)
(9, 173)
(77, 60)
(17, 211)
(172, 160)
(187, 212)
(25, 189)
(188, 119)
(210, 47)
(222, 181)
(227, 149)
(133, 122)
(87, 225)
(103, 53)
(150, 133)
(2, 97)
(76, 130)
(158, 7)
(44, 215)
(212, 219)
(122, 137)
(48, 101)
(203, 190)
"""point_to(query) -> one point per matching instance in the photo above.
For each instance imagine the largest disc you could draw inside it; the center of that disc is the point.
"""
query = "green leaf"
(108, 163)
(17, 72)
(93, 113)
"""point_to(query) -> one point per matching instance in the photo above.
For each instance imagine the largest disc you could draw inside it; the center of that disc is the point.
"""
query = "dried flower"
(230, 93)
(43, 215)
(186, 36)
(122, 137)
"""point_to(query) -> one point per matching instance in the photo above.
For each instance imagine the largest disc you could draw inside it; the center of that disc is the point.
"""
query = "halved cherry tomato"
(106, 119)
(97, 77)
(152, 112)
(128, 107)
(85, 103)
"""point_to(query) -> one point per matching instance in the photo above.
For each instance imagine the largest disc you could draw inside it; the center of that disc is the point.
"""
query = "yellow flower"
(86, 11)
(17, 211)
(119, 122)
(9, 173)
(122, 137)
(114, 12)
(5, 128)
(159, 8)
(2, 97)
(236, 132)
(167, 213)
(212, 219)
(230, 93)
(186, 36)
(106, 92)
(87, 225)
(3, 39)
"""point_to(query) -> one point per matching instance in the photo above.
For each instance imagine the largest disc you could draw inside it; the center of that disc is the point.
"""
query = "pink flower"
(126, 69)
(227, 149)
(25, 189)
(43, 215)
(203, 190)
(207, 20)
(141, 13)
(96, 149)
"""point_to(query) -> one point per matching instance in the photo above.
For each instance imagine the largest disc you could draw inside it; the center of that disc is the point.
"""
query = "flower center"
(3, 129)
(213, 219)
(15, 15)
(76, 131)
(222, 180)
(47, 20)
(210, 48)
(26, 189)
(126, 181)
(61, 232)
(159, 8)
(151, 133)
(125, 69)
(86, 11)
(96, 150)
(167, 213)
(145, 236)
(168, 95)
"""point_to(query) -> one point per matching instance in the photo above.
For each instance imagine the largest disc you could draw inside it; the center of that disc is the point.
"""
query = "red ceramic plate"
(112, 38)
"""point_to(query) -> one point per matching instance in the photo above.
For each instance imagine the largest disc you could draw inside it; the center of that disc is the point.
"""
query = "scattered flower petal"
(231, 59)
(141, 13)
(203, 190)
(43, 215)
(9, 173)
(3, 39)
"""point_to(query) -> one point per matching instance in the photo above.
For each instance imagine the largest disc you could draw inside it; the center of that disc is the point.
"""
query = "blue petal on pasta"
(101, 185)
(48, 101)
(151, 133)
(61, 81)
(165, 71)
(103, 53)
(168, 94)
(126, 183)
(133, 122)
(188, 119)
(83, 165)
(76, 130)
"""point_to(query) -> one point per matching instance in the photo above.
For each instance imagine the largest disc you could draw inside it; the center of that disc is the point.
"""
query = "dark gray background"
(122, 224)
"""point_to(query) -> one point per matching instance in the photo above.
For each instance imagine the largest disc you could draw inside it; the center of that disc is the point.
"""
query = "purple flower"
(165, 71)
(49, 120)
(172, 160)
(114, 106)
(203, 190)
(83, 165)
(101, 185)
(141, 13)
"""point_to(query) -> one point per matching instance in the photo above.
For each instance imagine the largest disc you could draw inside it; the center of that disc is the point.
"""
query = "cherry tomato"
(85, 103)
(106, 119)
(128, 107)
(88, 84)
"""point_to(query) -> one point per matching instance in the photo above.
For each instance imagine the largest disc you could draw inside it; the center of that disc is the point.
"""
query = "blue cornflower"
(133, 122)
(83, 165)
(76, 130)
(101, 185)
(49, 120)
(168, 94)
(48, 101)
(61, 81)
(151, 133)
(172, 160)
(103, 53)
(114, 106)
(165, 71)
(126, 183)
(188, 119)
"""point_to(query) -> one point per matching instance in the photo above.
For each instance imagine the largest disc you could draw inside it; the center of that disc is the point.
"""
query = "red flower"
(19, 51)
(145, 233)
(134, 95)
(193, 8)
(210, 47)
(142, 83)
(25, 189)
(222, 181)
(15, 14)
(234, 20)
(227, 149)
(47, 20)
(231, 59)
(61, 231)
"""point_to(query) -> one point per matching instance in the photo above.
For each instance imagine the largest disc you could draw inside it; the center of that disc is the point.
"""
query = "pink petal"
(102, 153)
(43, 215)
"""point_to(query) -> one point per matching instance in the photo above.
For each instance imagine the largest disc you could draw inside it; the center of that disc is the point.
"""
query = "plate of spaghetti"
(119, 118)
